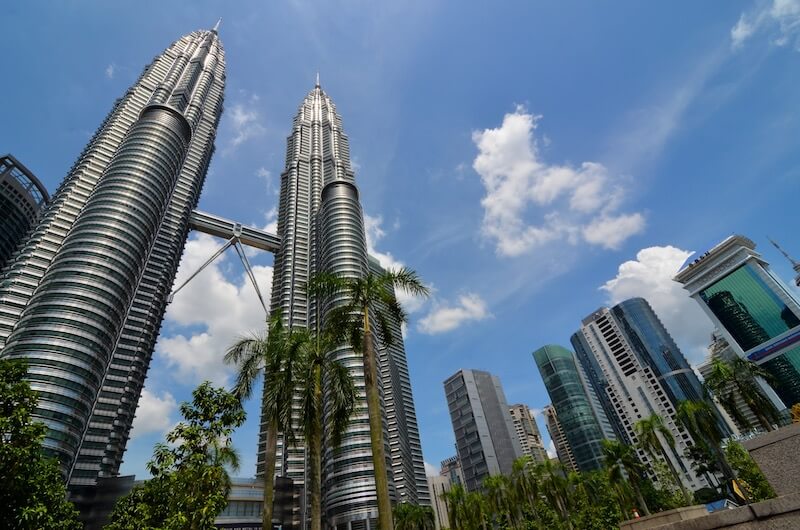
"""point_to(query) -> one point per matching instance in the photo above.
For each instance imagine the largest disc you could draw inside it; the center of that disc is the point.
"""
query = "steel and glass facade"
(485, 438)
(321, 228)
(579, 420)
(752, 308)
(22, 198)
(83, 300)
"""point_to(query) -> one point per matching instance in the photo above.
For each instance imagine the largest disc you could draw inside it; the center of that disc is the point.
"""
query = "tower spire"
(317, 83)
(794, 262)
(216, 26)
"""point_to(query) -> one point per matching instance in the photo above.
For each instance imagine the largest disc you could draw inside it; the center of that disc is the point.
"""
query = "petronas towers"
(83, 298)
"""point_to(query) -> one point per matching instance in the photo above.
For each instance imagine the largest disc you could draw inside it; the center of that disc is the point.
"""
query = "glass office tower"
(83, 300)
(570, 399)
(755, 312)
(22, 198)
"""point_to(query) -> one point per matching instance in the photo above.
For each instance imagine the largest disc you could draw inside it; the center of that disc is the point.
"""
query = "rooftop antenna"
(794, 262)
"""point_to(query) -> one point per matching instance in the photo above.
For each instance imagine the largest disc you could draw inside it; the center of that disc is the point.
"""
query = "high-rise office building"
(485, 438)
(742, 416)
(438, 486)
(631, 348)
(84, 298)
(320, 223)
(579, 415)
(451, 468)
(530, 439)
(752, 308)
(22, 198)
(563, 450)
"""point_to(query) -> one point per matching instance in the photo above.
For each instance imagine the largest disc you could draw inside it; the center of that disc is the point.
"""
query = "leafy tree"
(277, 358)
(621, 461)
(703, 424)
(413, 517)
(190, 483)
(729, 379)
(315, 368)
(750, 476)
(363, 299)
(651, 431)
(32, 492)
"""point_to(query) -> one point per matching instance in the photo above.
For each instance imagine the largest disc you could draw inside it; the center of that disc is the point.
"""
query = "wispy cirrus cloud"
(243, 122)
(530, 202)
(779, 18)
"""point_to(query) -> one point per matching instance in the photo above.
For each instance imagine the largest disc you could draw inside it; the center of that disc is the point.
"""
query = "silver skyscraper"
(84, 299)
(321, 227)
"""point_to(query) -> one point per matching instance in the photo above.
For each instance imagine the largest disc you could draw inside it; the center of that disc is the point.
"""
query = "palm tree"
(501, 498)
(555, 488)
(413, 517)
(525, 483)
(273, 356)
(363, 299)
(318, 370)
(454, 499)
(650, 431)
(738, 377)
(621, 460)
(702, 422)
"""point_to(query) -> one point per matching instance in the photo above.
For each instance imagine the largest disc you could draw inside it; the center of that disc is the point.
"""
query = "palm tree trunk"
(376, 429)
(640, 498)
(686, 497)
(269, 475)
(315, 449)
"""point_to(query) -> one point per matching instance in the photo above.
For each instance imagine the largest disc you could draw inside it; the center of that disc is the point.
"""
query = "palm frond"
(384, 329)
(326, 285)
(405, 279)
(342, 396)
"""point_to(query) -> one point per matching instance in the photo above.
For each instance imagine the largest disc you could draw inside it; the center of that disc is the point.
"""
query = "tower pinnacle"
(794, 262)
(317, 83)
(216, 26)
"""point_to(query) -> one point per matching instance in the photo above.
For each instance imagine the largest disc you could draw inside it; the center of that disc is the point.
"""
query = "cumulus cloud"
(445, 317)
(573, 203)
(431, 470)
(780, 18)
(217, 309)
(153, 413)
(110, 70)
(650, 276)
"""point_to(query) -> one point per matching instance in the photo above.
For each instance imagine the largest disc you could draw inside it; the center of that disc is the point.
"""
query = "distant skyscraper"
(579, 418)
(639, 361)
(752, 308)
(485, 438)
(563, 450)
(451, 468)
(320, 223)
(530, 439)
(84, 299)
(22, 198)
(744, 418)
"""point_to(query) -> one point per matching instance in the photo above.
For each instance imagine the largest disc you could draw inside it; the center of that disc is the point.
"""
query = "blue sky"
(531, 160)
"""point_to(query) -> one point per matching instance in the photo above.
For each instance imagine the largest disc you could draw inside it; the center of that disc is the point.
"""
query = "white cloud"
(444, 317)
(574, 203)
(551, 450)
(781, 19)
(220, 309)
(110, 70)
(650, 276)
(245, 122)
(153, 413)
(431, 470)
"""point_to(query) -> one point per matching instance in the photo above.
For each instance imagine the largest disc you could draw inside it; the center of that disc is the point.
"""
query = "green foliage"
(413, 517)
(750, 477)
(190, 482)
(32, 493)
(737, 378)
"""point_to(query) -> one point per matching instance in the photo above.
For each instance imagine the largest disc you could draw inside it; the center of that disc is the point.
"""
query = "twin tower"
(83, 298)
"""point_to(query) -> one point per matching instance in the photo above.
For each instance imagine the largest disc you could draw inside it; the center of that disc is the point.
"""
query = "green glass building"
(571, 400)
(754, 310)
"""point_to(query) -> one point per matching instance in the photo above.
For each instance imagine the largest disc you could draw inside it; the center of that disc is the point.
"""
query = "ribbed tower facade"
(83, 299)
(321, 226)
